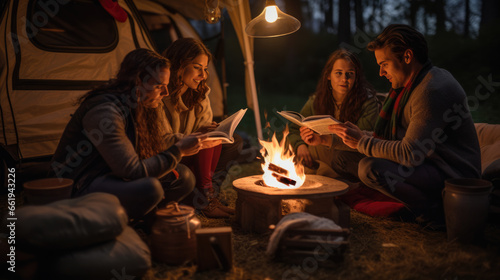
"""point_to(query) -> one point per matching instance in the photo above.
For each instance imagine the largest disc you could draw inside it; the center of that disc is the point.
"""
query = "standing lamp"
(272, 22)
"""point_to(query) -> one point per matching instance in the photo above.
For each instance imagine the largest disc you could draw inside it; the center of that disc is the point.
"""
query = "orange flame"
(274, 152)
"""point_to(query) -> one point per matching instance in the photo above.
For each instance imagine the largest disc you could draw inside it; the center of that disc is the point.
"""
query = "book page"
(318, 123)
(317, 117)
(292, 116)
(225, 125)
(321, 125)
(219, 135)
(226, 128)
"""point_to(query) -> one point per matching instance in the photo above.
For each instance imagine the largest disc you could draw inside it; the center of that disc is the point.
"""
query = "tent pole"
(251, 75)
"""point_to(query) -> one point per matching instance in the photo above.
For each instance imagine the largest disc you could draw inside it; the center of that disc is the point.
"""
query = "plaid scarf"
(390, 115)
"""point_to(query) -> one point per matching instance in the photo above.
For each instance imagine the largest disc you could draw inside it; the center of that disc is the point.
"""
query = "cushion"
(125, 257)
(492, 171)
(489, 154)
(371, 202)
(489, 141)
(487, 134)
(70, 223)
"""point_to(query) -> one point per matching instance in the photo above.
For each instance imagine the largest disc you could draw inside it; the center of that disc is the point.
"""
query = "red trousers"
(203, 165)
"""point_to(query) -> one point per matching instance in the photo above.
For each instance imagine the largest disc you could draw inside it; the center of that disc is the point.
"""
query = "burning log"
(279, 170)
(284, 180)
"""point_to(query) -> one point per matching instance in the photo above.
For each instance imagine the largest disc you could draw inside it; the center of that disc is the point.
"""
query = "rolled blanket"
(300, 220)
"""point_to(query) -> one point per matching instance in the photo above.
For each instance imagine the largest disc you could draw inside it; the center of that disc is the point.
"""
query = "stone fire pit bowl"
(258, 206)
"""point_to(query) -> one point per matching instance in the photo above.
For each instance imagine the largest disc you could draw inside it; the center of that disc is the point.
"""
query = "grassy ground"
(379, 249)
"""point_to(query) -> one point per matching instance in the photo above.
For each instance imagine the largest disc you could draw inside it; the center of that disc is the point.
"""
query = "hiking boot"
(223, 207)
(213, 197)
(214, 211)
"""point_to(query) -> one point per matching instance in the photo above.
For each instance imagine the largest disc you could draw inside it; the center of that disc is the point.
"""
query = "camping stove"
(259, 206)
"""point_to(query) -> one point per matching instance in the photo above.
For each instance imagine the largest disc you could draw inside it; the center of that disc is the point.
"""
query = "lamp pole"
(251, 75)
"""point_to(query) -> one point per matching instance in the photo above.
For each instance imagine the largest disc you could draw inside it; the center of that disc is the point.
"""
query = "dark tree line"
(343, 17)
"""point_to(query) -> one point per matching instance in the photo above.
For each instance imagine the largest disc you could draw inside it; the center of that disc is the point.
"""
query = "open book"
(318, 123)
(226, 128)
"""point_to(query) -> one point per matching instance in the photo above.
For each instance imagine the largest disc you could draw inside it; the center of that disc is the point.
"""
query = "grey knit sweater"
(436, 127)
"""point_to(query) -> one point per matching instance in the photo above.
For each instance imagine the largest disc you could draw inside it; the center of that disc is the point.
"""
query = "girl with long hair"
(188, 110)
(342, 92)
(114, 140)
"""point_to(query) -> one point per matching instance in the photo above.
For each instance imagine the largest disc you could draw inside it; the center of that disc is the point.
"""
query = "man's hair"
(399, 38)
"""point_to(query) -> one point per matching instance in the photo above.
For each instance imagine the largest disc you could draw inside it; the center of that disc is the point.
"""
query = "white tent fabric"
(35, 119)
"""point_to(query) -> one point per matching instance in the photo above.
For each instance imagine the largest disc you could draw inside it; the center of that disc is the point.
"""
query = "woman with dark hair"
(114, 141)
(188, 110)
(344, 93)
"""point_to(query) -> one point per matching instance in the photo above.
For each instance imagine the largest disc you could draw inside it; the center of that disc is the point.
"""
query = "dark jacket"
(100, 138)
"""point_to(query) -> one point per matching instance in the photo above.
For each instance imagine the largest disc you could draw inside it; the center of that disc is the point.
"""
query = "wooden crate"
(214, 248)
(299, 245)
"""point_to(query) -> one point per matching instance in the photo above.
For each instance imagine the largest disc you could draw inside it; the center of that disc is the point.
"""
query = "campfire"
(261, 197)
(280, 169)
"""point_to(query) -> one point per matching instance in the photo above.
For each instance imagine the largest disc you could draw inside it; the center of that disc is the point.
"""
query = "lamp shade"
(272, 22)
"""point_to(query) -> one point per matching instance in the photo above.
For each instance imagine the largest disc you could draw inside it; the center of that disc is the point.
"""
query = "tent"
(52, 52)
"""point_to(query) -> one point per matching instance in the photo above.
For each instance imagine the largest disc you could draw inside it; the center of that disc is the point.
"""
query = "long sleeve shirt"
(436, 127)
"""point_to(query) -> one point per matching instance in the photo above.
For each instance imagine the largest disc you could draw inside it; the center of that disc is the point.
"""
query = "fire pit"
(259, 206)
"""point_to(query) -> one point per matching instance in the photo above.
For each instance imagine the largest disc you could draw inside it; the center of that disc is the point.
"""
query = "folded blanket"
(70, 223)
(297, 220)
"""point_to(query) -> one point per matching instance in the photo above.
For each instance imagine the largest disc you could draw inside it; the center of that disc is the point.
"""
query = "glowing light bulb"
(212, 15)
(271, 13)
